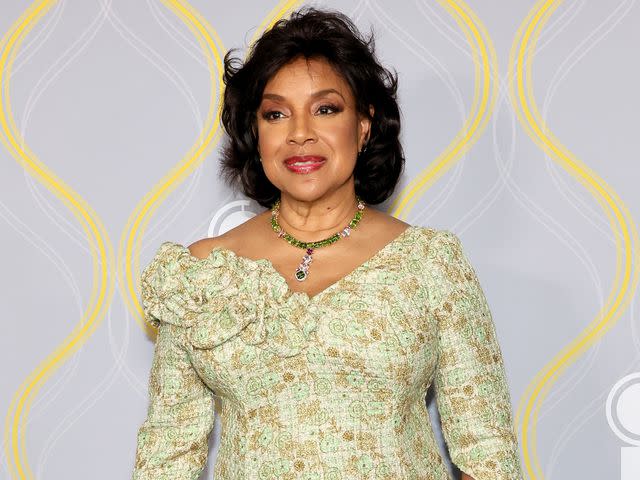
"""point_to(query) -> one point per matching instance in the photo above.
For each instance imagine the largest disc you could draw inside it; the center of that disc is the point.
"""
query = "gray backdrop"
(104, 103)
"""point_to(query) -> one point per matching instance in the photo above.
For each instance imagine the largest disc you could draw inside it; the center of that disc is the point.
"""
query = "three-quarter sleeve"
(471, 389)
(172, 443)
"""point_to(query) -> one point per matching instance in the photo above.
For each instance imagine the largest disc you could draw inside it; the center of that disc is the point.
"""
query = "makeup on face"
(308, 126)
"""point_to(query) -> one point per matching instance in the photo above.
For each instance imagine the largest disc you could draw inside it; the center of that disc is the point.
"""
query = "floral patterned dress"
(330, 386)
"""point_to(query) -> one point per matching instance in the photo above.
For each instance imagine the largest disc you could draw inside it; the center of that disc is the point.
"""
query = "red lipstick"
(304, 163)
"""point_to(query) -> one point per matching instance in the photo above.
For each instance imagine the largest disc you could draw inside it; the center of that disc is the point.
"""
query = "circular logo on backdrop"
(230, 216)
(623, 413)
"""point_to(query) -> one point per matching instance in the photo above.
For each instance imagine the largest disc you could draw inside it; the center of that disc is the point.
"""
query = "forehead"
(303, 76)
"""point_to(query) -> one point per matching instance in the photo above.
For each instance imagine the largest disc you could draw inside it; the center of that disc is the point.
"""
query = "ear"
(365, 126)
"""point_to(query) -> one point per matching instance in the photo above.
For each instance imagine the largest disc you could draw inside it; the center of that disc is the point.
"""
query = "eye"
(269, 115)
(323, 109)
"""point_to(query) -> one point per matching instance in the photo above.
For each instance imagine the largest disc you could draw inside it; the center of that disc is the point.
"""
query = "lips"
(304, 164)
(304, 158)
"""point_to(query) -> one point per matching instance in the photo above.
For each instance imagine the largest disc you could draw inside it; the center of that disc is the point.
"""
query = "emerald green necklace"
(303, 269)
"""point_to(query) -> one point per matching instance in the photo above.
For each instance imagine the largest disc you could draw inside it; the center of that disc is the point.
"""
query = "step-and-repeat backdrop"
(521, 136)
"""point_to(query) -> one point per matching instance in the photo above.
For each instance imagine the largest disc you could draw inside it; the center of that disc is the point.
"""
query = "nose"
(301, 130)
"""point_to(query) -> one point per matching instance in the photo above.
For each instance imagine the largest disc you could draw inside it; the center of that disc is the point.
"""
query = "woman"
(321, 322)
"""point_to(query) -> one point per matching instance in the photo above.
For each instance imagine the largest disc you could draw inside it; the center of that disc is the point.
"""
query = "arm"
(471, 391)
(465, 477)
(172, 443)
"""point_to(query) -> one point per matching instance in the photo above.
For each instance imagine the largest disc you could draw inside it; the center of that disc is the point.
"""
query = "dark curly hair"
(312, 33)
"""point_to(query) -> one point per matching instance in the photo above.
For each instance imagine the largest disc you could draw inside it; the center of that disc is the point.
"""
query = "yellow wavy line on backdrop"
(152, 201)
(602, 193)
(617, 241)
(15, 421)
(485, 74)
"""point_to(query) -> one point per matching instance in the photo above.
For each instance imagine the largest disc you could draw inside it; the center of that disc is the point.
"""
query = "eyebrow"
(319, 93)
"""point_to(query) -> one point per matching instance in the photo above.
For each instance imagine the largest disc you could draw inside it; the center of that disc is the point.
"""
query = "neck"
(315, 219)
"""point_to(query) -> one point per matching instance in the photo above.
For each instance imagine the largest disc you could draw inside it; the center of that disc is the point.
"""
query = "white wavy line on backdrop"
(578, 53)
(635, 334)
(423, 54)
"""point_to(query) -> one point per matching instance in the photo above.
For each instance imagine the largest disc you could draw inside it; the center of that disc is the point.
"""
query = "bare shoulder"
(383, 222)
(232, 239)
(201, 248)
(389, 227)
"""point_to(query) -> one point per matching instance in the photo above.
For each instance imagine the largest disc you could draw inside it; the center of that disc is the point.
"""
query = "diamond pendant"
(303, 269)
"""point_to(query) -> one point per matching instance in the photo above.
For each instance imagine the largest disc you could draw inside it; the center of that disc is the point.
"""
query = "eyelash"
(336, 109)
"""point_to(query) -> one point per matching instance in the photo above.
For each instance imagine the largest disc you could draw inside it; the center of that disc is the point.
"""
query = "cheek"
(268, 139)
(342, 137)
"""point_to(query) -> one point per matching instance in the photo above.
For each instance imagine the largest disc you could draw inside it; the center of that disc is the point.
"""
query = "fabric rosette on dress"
(224, 297)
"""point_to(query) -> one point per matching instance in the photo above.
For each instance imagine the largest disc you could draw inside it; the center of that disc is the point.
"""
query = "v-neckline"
(266, 263)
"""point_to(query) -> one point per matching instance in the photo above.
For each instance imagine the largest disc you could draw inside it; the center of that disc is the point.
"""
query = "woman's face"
(308, 109)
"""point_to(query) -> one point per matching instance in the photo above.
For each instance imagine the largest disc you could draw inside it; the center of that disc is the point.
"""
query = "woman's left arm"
(471, 389)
